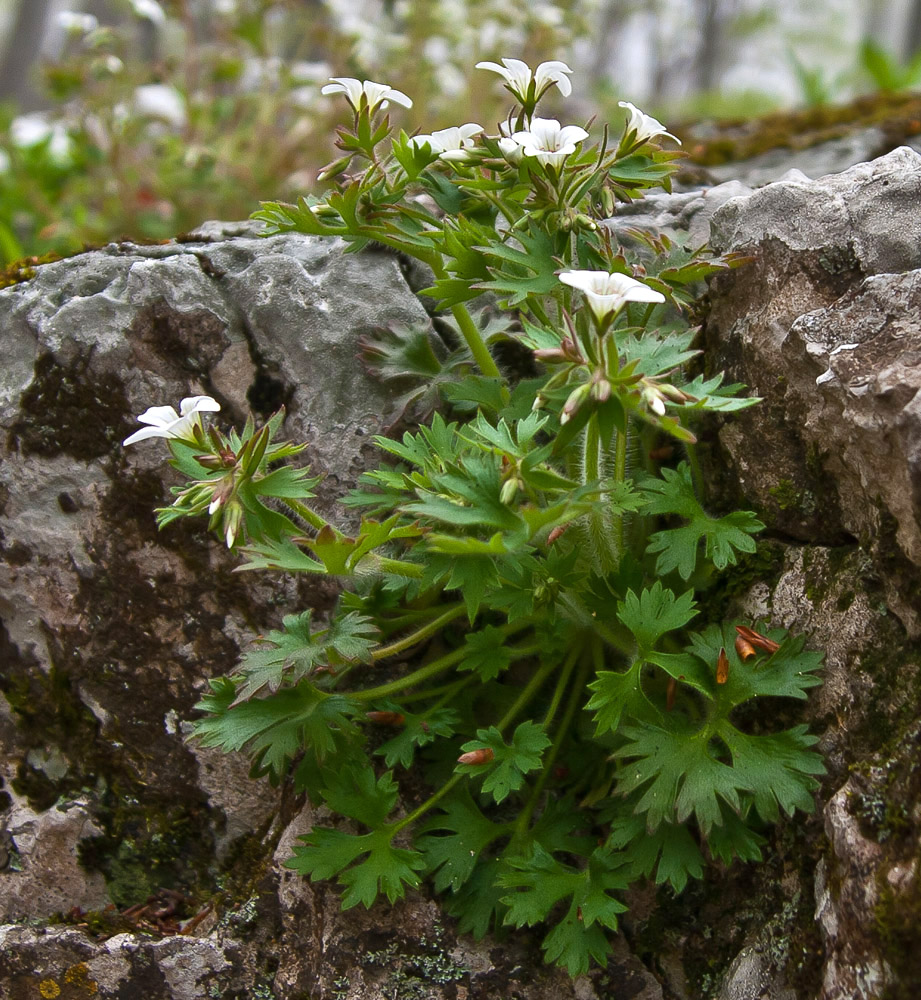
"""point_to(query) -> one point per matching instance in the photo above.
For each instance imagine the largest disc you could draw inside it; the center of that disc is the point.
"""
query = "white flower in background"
(225, 7)
(518, 78)
(165, 422)
(550, 142)
(645, 126)
(607, 294)
(75, 23)
(159, 100)
(374, 94)
(149, 10)
(30, 130)
(450, 143)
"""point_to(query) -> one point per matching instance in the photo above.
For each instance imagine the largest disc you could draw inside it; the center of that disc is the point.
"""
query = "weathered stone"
(109, 630)
(833, 352)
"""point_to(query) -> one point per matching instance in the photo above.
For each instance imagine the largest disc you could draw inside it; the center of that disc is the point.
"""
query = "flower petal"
(159, 416)
(198, 404)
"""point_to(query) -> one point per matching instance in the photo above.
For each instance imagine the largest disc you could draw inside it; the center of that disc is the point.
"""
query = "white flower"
(76, 23)
(645, 126)
(159, 100)
(150, 10)
(519, 79)
(165, 422)
(450, 143)
(607, 294)
(32, 129)
(548, 141)
(374, 94)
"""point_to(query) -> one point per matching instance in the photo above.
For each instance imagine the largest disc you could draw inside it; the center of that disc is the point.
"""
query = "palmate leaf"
(655, 355)
(274, 729)
(670, 851)
(680, 774)
(474, 575)
(543, 882)
(486, 653)
(788, 673)
(525, 266)
(654, 612)
(386, 869)
(511, 762)
(618, 694)
(358, 793)
(778, 766)
(712, 395)
(417, 731)
(463, 834)
(678, 548)
(297, 651)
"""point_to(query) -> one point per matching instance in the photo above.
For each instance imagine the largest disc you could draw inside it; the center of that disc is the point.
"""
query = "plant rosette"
(529, 561)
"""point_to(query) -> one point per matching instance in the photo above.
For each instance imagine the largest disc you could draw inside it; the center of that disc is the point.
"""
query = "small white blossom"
(450, 143)
(550, 142)
(606, 293)
(32, 129)
(75, 23)
(645, 126)
(374, 94)
(519, 78)
(165, 422)
(159, 100)
(149, 10)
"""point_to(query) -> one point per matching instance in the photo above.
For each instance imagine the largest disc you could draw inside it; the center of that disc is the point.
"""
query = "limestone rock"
(821, 326)
(109, 629)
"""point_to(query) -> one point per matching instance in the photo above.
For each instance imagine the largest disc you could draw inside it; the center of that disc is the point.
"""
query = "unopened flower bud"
(550, 355)
(509, 490)
(601, 390)
(475, 757)
(333, 169)
(608, 201)
(576, 398)
(675, 394)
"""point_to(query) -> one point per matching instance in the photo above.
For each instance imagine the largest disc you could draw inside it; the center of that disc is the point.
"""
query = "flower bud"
(509, 490)
(475, 757)
(576, 398)
(601, 390)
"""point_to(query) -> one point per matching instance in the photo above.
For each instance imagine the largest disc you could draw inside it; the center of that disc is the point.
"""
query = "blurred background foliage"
(141, 118)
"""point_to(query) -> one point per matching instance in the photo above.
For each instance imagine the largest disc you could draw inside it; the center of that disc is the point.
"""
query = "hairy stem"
(382, 652)
(474, 341)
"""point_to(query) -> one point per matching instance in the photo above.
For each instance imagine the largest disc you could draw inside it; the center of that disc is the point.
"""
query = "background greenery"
(151, 117)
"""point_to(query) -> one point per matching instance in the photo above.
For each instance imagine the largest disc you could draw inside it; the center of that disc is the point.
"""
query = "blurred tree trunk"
(912, 30)
(19, 58)
(706, 61)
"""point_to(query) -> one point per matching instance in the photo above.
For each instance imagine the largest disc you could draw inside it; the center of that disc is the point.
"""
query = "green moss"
(898, 931)
(24, 270)
(789, 497)
(898, 116)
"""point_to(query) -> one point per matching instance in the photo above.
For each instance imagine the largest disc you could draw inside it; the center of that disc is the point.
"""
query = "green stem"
(410, 640)
(524, 818)
(591, 467)
(620, 474)
(696, 475)
(303, 511)
(429, 802)
(444, 693)
(474, 341)
(398, 567)
(437, 667)
(532, 687)
(560, 687)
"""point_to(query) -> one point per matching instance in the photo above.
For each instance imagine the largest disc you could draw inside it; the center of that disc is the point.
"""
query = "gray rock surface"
(821, 325)
(110, 629)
